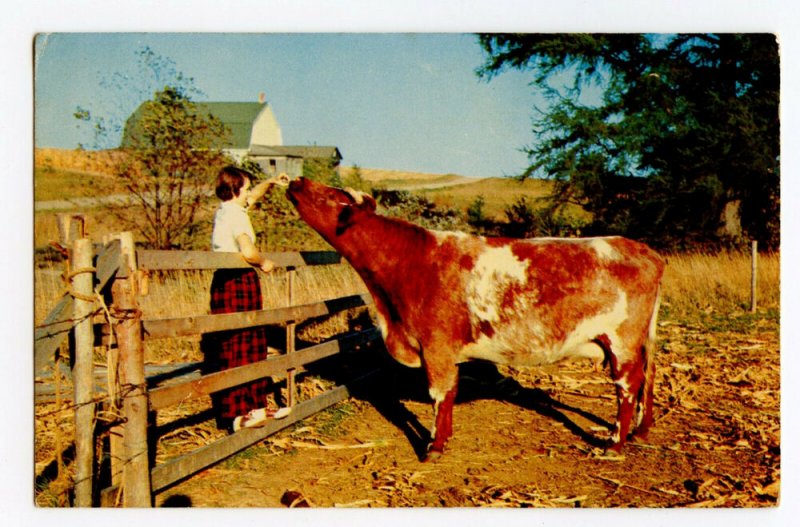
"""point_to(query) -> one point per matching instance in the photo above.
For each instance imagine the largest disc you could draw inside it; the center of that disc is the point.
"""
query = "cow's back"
(541, 300)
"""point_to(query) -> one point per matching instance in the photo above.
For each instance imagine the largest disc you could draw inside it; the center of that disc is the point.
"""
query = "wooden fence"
(113, 279)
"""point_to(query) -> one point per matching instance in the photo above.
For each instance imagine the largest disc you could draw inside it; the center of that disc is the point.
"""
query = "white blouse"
(230, 221)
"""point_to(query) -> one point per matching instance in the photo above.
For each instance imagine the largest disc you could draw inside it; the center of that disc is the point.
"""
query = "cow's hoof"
(432, 455)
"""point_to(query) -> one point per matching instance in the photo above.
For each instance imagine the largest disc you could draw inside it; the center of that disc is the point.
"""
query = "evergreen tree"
(685, 131)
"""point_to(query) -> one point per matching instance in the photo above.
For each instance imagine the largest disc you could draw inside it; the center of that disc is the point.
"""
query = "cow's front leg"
(442, 384)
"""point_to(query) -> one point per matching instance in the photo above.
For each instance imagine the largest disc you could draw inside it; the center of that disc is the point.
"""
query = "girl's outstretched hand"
(267, 265)
(281, 180)
(258, 191)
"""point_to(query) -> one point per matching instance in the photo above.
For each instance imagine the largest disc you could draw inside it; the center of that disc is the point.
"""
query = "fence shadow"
(49, 472)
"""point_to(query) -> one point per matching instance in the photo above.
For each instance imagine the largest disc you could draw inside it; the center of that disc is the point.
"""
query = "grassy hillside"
(66, 174)
(497, 193)
(57, 183)
(95, 162)
(459, 192)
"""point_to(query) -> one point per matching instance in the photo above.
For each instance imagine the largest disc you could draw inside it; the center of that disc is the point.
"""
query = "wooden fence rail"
(195, 325)
(198, 260)
(116, 275)
(275, 367)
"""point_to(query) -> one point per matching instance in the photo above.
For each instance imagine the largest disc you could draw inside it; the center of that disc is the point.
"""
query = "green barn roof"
(237, 116)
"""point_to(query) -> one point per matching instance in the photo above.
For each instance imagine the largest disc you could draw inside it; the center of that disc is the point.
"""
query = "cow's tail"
(645, 411)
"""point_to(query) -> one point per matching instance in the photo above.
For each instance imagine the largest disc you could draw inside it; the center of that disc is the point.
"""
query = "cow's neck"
(384, 247)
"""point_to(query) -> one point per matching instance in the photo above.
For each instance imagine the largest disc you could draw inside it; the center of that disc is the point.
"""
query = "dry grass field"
(497, 194)
(99, 163)
(523, 437)
(694, 285)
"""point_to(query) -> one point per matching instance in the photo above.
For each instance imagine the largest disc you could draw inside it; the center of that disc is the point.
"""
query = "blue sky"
(405, 101)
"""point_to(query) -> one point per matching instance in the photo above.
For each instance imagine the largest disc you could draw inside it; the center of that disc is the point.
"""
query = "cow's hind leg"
(628, 380)
(644, 408)
(643, 417)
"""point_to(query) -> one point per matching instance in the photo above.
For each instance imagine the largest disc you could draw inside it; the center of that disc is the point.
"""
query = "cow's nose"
(296, 184)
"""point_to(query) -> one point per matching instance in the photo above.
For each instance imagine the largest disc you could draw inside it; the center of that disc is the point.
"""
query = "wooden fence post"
(291, 329)
(116, 447)
(136, 468)
(82, 372)
(69, 230)
(753, 276)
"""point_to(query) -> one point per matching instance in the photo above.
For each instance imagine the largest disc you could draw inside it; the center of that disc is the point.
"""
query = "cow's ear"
(369, 203)
(345, 220)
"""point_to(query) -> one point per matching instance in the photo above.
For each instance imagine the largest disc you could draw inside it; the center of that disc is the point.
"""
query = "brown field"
(498, 194)
(522, 437)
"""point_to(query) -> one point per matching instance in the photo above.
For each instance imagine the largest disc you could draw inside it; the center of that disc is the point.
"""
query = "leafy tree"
(171, 154)
(123, 92)
(169, 168)
(276, 222)
(418, 209)
(683, 129)
(524, 221)
(355, 180)
(322, 170)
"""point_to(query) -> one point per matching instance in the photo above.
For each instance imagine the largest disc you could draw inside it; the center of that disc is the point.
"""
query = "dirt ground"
(532, 438)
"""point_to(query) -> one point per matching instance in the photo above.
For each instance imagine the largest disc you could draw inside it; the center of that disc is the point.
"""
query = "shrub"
(525, 221)
(417, 209)
(476, 216)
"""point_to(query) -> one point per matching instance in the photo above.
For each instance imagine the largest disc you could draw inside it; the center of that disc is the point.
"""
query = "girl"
(234, 290)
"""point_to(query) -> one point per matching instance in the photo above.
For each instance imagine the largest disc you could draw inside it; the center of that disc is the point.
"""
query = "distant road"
(77, 203)
(85, 203)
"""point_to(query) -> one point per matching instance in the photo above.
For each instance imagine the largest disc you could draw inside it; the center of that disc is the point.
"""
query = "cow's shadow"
(392, 384)
(483, 380)
(477, 380)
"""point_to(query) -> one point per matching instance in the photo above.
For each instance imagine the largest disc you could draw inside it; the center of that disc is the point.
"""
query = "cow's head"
(328, 210)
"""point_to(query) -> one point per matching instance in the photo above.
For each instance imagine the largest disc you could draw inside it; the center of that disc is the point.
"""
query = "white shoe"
(280, 413)
(258, 417)
(237, 423)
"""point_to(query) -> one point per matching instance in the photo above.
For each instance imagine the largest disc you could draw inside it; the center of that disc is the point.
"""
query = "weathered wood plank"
(107, 264)
(156, 375)
(196, 260)
(135, 463)
(166, 396)
(170, 472)
(82, 376)
(51, 333)
(199, 324)
(291, 339)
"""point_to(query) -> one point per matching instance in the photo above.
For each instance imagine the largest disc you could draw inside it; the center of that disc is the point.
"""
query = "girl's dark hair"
(229, 181)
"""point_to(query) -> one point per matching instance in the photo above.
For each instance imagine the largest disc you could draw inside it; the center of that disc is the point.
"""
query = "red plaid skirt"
(235, 290)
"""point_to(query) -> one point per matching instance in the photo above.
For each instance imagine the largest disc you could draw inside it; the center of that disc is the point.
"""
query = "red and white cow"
(447, 297)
